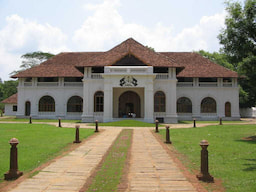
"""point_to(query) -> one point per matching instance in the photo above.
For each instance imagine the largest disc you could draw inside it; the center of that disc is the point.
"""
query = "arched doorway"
(228, 109)
(27, 108)
(129, 105)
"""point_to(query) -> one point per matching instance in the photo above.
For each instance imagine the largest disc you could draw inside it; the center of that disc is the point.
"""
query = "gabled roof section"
(198, 66)
(129, 47)
(11, 100)
(61, 65)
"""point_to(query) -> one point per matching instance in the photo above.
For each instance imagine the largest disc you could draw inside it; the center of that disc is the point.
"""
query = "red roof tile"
(11, 100)
(198, 66)
(67, 64)
(132, 47)
(61, 65)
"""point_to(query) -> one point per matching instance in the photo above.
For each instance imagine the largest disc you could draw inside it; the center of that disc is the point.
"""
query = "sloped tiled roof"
(61, 65)
(130, 47)
(67, 64)
(198, 66)
(11, 100)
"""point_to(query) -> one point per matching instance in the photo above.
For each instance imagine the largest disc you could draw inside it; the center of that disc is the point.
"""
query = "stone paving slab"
(70, 172)
(152, 169)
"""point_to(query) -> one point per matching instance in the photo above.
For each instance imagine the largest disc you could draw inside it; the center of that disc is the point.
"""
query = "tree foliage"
(32, 59)
(7, 89)
(238, 39)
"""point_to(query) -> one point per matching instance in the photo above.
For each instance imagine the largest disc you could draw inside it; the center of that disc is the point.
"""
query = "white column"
(149, 102)
(86, 116)
(108, 101)
(171, 97)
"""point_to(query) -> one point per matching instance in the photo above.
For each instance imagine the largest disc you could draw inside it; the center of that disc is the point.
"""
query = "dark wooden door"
(227, 109)
(27, 108)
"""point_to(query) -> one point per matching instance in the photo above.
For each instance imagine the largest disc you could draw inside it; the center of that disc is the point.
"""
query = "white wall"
(8, 110)
(221, 96)
(248, 112)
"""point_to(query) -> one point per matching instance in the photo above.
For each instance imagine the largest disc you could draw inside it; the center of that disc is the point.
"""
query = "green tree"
(32, 59)
(9, 88)
(238, 39)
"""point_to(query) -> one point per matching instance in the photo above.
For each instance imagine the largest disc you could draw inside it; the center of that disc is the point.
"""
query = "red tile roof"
(11, 100)
(67, 64)
(61, 65)
(130, 47)
(198, 66)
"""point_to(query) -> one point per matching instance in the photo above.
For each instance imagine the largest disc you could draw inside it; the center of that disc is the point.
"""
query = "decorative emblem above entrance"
(128, 81)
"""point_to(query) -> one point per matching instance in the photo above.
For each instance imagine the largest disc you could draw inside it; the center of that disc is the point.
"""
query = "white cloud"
(20, 36)
(106, 27)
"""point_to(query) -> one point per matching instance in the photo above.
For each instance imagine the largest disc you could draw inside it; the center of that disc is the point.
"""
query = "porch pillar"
(86, 116)
(149, 102)
(171, 109)
(108, 101)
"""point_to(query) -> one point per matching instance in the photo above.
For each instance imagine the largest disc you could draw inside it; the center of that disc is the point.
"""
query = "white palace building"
(128, 81)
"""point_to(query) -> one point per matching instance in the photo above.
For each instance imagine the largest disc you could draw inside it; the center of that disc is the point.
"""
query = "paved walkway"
(69, 173)
(152, 169)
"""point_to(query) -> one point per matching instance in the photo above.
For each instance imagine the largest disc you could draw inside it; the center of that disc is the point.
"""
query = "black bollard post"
(96, 126)
(204, 174)
(157, 126)
(168, 141)
(194, 122)
(30, 120)
(13, 173)
(77, 135)
(220, 121)
(1, 113)
(59, 122)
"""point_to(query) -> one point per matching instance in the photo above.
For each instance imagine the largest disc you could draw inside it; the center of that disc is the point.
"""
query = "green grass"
(127, 123)
(38, 143)
(110, 173)
(13, 119)
(231, 158)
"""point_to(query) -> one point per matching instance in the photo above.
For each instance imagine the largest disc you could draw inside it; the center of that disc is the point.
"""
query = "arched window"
(75, 104)
(184, 105)
(159, 102)
(208, 105)
(99, 101)
(46, 104)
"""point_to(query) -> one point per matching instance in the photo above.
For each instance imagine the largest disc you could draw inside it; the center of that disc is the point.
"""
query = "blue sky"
(98, 25)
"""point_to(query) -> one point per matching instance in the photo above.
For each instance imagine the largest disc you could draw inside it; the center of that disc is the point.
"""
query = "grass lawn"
(13, 119)
(231, 158)
(109, 175)
(127, 123)
(38, 143)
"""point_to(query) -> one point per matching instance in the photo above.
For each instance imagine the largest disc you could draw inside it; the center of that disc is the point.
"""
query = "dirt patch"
(251, 138)
(191, 177)
(8, 185)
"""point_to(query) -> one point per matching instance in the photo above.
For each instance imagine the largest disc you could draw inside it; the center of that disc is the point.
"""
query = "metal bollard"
(77, 135)
(13, 173)
(204, 174)
(30, 120)
(96, 126)
(168, 135)
(59, 122)
(157, 126)
(194, 122)
(220, 121)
